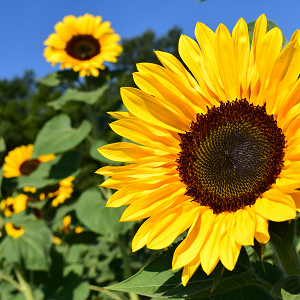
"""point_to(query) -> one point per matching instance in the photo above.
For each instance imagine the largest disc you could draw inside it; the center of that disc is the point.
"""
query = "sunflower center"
(231, 155)
(10, 207)
(29, 166)
(83, 47)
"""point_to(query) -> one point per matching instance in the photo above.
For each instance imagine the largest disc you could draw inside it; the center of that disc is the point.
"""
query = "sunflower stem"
(282, 242)
(102, 290)
(91, 111)
(11, 281)
(25, 287)
(128, 272)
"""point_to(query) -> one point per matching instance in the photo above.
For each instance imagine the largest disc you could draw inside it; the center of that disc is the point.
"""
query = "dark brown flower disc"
(83, 47)
(29, 166)
(231, 155)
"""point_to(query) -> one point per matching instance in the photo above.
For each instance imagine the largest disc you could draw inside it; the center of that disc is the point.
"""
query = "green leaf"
(91, 210)
(243, 293)
(2, 144)
(288, 296)
(32, 247)
(75, 95)
(57, 136)
(75, 253)
(158, 280)
(50, 80)
(94, 153)
(270, 25)
(54, 79)
(290, 285)
(70, 288)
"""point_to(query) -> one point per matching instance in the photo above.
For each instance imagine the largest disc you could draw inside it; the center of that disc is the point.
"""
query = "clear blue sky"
(25, 24)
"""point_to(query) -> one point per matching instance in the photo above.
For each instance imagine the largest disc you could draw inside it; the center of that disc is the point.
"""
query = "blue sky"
(24, 25)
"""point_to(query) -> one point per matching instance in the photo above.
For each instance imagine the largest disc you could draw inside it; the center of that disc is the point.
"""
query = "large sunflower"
(82, 44)
(218, 146)
(18, 161)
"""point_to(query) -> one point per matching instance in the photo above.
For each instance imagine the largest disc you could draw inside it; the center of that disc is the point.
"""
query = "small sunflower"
(57, 240)
(83, 44)
(62, 192)
(13, 230)
(14, 205)
(66, 222)
(217, 147)
(18, 161)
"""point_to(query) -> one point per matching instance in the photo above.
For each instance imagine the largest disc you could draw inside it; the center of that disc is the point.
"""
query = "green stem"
(282, 242)
(127, 268)
(108, 293)
(25, 287)
(91, 111)
(11, 281)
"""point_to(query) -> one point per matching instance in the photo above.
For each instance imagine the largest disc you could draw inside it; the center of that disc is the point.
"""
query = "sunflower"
(66, 222)
(13, 230)
(15, 205)
(18, 161)
(83, 44)
(216, 148)
(62, 192)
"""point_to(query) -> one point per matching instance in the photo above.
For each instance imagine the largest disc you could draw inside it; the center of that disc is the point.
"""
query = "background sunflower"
(83, 44)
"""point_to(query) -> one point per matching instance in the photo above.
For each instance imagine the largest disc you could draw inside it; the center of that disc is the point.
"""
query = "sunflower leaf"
(158, 280)
(32, 247)
(91, 210)
(290, 285)
(57, 136)
(288, 296)
(55, 78)
(75, 95)
(2, 144)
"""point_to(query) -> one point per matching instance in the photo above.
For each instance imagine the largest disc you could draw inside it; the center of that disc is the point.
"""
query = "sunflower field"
(140, 174)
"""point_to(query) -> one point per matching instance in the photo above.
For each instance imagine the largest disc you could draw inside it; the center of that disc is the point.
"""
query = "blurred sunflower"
(62, 192)
(18, 161)
(66, 222)
(219, 148)
(83, 44)
(13, 230)
(14, 205)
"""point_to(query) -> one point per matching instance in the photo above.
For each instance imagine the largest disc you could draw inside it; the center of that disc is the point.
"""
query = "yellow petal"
(205, 37)
(172, 224)
(225, 57)
(142, 234)
(148, 108)
(196, 238)
(166, 93)
(261, 231)
(244, 226)
(296, 198)
(190, 269)
(260, 30)
(147, 135)
(229, 249)
(127, 152)
(209, 254)
(143, 207)
(276, 206)
(240, 37)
